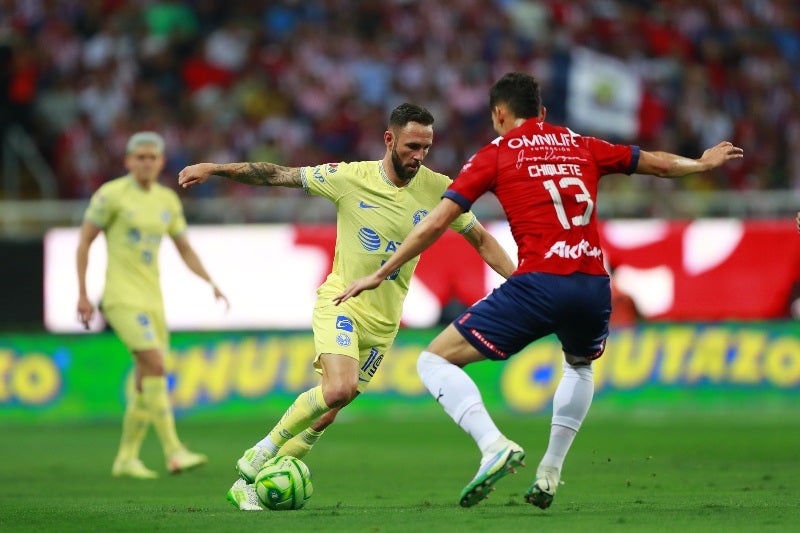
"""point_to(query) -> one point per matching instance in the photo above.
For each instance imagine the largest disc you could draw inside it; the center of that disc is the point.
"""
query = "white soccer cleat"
(504, 460)
(543, 490)
(251, 463)
(182, 460)
(133, 468)
(243, 496)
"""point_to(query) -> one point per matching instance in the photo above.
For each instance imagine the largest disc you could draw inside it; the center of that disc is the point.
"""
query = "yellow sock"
(134, 426)
(156, 397)
(303, 412)
(299, 445)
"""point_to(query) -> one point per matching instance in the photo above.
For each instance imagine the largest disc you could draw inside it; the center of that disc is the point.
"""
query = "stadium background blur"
(696, 396)
(306, 82)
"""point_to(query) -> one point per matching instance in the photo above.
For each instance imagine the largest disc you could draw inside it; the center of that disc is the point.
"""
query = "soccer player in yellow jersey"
(134, 212)
(378, 203)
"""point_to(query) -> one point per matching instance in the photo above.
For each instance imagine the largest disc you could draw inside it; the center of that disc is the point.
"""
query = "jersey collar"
(386, 178)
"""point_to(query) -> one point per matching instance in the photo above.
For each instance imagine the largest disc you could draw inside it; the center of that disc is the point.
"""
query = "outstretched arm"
(421, 237)
(264, 174)
(667, 165)
(490, 250)
(192, 261)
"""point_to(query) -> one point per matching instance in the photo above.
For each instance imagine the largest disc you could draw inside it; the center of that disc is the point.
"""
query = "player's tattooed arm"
(263, 174)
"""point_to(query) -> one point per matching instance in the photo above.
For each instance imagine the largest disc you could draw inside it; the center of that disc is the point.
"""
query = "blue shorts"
(527, 307)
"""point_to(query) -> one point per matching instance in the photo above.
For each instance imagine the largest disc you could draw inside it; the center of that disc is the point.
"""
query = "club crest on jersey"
(343, 339)
(419, 215)
(332, 168)
(344, 323)
(369, 239)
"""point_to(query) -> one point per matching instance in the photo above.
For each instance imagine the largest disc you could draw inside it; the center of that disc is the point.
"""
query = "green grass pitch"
(626, 472)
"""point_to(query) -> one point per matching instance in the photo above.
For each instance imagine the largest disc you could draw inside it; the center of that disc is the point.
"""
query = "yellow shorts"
(336, 331)
(138, 329)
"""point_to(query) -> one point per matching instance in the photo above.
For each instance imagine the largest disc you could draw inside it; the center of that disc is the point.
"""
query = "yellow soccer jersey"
(374, 216)
(134, 220)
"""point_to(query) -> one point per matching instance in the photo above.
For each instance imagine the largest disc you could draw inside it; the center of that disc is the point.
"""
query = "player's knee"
(340, 394)
(584, 360)
(574, 360)
(151, 367)
(150, 362)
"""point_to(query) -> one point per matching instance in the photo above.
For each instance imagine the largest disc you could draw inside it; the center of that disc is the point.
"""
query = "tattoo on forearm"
(264, 174)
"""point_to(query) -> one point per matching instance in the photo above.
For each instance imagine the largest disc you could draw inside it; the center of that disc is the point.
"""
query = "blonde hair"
(145, 137)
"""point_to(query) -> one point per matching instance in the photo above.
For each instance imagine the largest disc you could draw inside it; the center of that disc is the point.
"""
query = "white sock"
(570, 405)
(267, 444)
(459, 396)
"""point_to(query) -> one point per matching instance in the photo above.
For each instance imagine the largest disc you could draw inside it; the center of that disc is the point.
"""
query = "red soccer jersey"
(545, 177)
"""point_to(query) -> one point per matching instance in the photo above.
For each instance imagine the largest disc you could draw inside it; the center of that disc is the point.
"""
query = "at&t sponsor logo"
(369, 239)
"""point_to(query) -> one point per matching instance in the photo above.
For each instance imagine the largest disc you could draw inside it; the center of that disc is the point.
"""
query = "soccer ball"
(284, 483)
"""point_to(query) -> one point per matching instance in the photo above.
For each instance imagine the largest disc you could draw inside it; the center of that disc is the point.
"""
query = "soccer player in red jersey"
(545, 177)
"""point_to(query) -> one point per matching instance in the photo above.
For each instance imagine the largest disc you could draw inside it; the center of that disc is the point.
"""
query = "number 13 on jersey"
(567, 184)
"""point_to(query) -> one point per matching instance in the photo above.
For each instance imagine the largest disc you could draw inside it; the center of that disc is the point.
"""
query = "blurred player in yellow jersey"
(135, 211)
(378, 203)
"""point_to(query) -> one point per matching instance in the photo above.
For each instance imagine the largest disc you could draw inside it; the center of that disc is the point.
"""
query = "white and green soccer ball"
(284, 483)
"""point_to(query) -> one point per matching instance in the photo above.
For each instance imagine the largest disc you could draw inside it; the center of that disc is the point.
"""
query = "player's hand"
(195, 174)
(220, 297)
(85, 311)
(797, 221)
(721, 153)
(357, 287)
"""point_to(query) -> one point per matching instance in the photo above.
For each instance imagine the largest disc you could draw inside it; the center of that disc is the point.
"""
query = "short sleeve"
(476, 177)
(613, 158)
(101, 208)
(328, 180)
(464, 222)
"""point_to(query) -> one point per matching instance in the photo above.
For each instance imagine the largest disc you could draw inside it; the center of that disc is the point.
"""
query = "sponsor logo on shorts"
(344, 323)
(369, 239)
(342, 339)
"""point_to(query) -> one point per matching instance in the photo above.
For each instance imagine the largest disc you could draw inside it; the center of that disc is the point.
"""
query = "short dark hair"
(405, 113)
(520, 92)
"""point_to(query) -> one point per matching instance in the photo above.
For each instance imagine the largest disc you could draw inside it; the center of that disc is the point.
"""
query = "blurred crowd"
(310, 81)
